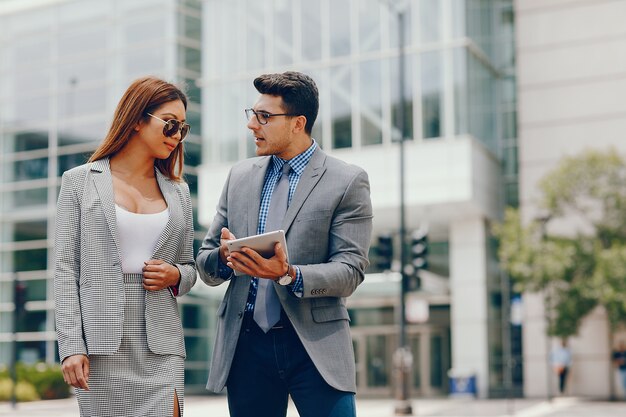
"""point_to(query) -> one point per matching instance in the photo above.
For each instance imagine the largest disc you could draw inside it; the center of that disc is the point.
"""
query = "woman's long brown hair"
(143, 96)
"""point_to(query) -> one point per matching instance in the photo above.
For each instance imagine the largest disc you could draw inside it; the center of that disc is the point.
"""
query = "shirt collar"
(298, 163)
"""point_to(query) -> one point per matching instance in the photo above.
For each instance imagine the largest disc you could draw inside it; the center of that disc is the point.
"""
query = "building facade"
(460, 153)
(63, 67)
(571, 79)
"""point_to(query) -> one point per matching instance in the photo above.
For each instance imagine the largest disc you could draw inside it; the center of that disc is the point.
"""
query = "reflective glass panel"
(29, 169)
(311, 30)
(369, 25)
(283, 32)
(340, 28)
(370, 100)
(432, 92)
(341, 107)
(430, 20)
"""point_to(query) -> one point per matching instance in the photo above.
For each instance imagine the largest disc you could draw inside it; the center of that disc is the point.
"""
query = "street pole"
(403, 359)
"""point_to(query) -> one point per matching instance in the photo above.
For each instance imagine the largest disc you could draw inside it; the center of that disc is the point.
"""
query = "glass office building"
(461, 155)
(63, 67)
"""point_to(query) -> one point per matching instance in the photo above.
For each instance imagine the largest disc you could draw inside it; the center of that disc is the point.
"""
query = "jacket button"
(240, 315)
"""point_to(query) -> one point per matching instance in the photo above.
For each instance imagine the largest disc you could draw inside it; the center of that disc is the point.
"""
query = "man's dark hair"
(298, 91)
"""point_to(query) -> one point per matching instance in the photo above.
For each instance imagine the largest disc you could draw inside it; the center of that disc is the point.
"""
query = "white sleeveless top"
(138, 235)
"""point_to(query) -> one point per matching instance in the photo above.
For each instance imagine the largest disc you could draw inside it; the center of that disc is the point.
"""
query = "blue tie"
(267, 305)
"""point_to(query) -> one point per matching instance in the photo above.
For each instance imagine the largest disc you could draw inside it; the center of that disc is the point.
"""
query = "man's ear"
(300, 124)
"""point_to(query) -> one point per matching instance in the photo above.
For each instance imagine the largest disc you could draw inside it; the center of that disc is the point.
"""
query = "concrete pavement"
(216, 406)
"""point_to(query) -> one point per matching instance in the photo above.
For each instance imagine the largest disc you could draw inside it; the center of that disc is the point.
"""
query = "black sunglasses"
(172, 126)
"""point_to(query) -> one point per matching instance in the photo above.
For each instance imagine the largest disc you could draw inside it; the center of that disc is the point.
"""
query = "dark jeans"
(268, 367)
(563, 378)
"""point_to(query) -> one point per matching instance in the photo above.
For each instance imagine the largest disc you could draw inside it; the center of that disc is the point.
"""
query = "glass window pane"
(340, 28)
(29, 169)
(32, 81)
(461, 104)
(408, 96)
(190, 27)
(341, 108)
(78, 101)
(379, 360)
(190, 58)
(192, 181)
(195, 121)
(33, 109)
(255, 35)
(77, 12)
(138, 31)
(30, 260)
(83, 41)
(193, 155)
(24, 231)
(430, 20)
(432, 91)
(144, 61)
(311, 30)
(371, 99)
(32, 52)
(21, 199)
(227, 28)
(27, 141)
(283, 32)
(78, 73)
(369, 25)
(194, 93)
(67, 162)
(71, 134)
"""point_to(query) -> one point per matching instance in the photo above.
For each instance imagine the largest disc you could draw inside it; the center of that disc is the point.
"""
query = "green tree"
(585, 267)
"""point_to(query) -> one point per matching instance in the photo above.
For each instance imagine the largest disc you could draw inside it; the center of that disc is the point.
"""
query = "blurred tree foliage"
(586, 267)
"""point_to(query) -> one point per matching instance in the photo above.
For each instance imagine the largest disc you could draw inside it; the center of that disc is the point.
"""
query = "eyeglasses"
(173, 126)
(263, 117)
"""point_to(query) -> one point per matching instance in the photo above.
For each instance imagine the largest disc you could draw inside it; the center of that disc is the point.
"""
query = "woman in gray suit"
(124, 252)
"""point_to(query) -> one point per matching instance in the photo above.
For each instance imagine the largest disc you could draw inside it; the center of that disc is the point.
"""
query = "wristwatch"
(287, 278)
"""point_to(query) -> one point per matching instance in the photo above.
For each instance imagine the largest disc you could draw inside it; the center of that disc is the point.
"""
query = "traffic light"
(419, 250)
(384, 252)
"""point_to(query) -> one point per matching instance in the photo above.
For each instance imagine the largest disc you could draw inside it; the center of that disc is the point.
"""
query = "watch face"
(286, 280)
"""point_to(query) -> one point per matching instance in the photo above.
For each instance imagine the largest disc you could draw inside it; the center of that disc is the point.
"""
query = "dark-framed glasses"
(172, 126)
(263, 117)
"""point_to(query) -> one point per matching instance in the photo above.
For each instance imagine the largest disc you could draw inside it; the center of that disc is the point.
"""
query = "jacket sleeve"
(349, 241)
(185, 262)
(68, 318)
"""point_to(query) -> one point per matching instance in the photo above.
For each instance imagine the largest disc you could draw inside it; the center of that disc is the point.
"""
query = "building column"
(468, 303)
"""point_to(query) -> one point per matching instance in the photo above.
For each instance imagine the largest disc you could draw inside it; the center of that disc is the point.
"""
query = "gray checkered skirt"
(133, 381)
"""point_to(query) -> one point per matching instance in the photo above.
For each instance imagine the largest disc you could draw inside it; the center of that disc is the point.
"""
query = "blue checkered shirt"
(298, 164)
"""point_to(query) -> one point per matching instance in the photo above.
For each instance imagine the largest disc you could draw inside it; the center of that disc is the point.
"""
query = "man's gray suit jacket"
(88, 279)
(328, 226)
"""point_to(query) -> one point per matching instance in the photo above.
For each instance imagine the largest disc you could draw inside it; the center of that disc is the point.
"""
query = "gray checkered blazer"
(88, 279)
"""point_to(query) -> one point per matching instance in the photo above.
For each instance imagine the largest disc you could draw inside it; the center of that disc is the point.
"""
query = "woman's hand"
(158, 274)
(76, 371)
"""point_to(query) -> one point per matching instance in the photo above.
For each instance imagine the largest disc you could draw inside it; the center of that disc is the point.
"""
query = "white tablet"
(263, 244)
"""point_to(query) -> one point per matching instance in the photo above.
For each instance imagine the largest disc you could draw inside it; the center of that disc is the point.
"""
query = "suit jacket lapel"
(104, 185)
(176, 216)
(309, 179)
(253, 193)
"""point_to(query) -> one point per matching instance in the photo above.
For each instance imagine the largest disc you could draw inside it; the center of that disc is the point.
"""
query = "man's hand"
(225, 236)
(251, 263)
(76, 371)
(158, 274)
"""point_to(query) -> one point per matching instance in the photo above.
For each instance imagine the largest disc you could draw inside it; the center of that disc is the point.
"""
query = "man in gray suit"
(283, 326)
